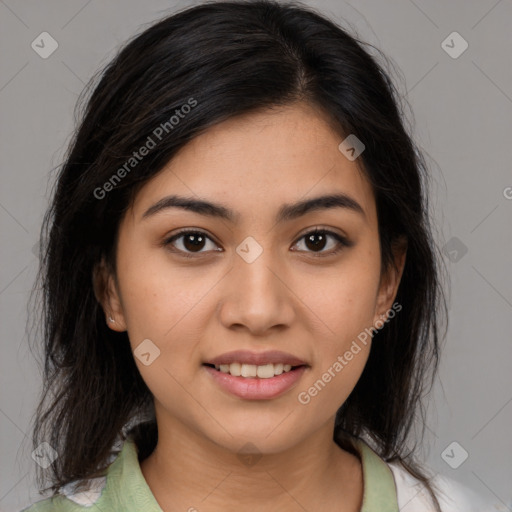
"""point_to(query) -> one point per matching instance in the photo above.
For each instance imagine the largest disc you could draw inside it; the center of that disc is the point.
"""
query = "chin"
(256, 438)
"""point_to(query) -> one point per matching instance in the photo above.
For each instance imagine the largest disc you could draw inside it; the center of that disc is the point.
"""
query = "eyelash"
(342, 242)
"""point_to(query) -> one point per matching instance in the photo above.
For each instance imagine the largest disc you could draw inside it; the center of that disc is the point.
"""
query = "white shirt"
(453, 496)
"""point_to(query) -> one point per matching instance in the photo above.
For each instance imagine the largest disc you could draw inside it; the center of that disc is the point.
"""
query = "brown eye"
(190, 241)
(317, 240)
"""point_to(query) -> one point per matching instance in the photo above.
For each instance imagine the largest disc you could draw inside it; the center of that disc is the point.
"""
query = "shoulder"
(69, 499)
(76, 496)
(453, 496)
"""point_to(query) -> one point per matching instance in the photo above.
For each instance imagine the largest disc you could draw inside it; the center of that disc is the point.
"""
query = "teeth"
(249, 370)
(265, 371)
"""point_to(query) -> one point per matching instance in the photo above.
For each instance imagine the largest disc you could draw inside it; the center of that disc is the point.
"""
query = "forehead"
(257, 162)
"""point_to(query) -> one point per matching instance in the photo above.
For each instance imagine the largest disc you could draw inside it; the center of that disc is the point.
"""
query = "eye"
(193, 241)
(317, 239)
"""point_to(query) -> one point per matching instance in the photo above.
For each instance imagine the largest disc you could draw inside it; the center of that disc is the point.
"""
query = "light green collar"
(379, 484)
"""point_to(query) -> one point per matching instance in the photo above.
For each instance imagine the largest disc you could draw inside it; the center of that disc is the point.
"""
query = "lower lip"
(256, 388)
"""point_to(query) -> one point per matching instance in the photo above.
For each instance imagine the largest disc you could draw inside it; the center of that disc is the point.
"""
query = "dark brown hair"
(232, 58)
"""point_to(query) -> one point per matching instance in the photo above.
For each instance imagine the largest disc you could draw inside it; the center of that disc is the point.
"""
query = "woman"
(242, 296)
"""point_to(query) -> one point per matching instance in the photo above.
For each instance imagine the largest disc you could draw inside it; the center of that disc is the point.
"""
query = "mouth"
(253, 371)
(255, 375)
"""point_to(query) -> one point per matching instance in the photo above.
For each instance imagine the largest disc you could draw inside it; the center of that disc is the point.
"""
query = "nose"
(256, 296)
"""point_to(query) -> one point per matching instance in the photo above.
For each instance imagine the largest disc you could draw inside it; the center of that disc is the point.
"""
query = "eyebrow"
(287, 212)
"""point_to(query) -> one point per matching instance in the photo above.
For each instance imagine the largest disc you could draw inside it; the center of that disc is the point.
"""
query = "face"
(258, 280)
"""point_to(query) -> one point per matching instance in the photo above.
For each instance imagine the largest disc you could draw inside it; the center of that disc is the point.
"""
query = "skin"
(291, 300)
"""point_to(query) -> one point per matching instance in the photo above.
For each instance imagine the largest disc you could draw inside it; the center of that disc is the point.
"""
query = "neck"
(186, 471)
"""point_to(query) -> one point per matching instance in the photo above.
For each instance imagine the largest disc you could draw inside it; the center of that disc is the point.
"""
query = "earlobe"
(391, 280)
(106, 293)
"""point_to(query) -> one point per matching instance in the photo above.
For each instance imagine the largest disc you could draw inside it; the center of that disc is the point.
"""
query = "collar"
(379, 484)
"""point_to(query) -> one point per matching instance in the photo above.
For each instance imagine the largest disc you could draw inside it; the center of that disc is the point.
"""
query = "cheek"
(329, 387)
(345, 305)
(158, 297)
(339, 358)
(344, 301)
(169, 307)
(161, 311)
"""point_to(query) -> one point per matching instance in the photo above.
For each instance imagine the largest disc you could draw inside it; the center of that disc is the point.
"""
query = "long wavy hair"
(232, 58)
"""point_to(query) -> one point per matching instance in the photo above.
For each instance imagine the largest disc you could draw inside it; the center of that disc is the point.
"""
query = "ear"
(390, 280)
(107, 294)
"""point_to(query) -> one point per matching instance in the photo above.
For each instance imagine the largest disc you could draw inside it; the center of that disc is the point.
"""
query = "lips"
(256, 376)
(256, 388)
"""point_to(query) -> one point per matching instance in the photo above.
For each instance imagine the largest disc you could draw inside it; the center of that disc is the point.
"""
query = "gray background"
(462, 113)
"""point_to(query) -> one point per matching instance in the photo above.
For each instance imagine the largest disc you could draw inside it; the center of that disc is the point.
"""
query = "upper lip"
(256, 358)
